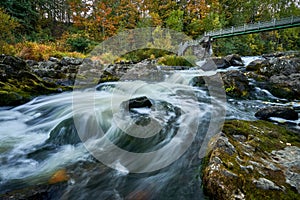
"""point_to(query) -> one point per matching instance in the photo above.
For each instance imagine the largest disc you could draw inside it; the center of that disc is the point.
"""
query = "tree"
(7, 27)
(24, 11)
(175, 20)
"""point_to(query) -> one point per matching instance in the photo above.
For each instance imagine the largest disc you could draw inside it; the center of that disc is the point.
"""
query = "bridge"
(257, 27)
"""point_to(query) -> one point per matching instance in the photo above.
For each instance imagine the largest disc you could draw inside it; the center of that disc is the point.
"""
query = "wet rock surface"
(276, 111)
(21, 80)
(236, 84)
(259, 160)
(277, 73)
(234, 60)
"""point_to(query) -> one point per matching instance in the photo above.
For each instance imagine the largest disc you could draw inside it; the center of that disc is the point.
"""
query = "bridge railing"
(254, 26)
(246, 28)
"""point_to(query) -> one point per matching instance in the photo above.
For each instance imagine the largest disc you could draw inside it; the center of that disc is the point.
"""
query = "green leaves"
(175, 20)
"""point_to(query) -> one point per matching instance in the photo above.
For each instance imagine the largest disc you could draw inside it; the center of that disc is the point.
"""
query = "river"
(184, 116)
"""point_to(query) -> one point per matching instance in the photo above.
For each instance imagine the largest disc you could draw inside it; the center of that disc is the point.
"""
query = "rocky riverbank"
(258, 159)
(253, 160)
(21, 81)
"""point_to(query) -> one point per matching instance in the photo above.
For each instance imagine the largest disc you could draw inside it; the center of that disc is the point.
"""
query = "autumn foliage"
(79, 25)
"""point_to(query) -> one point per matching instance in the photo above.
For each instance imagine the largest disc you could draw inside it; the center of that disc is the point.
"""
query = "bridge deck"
(255, 28)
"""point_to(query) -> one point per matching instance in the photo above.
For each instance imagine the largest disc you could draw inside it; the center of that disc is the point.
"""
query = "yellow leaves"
(40, 52)
(156, 20)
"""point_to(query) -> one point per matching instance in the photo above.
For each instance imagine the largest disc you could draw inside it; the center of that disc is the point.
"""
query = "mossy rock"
(283, 91)
(236, 84)
(15, 92)
(12, 98)
(254, 147)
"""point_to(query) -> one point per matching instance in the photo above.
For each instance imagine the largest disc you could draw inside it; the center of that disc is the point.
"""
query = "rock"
(12, 98)
(236, 84)
(280, 66)
(48, 65)
(221, 63)
(65, 61)
(283, 86)
(225, 145)
(197, 81)
(268, 170)
(64, 133)
(38, 191)
(265, 184)
(14, 62)
(52, 59)
(6, 72)
(257, 65)
(32, 63)
(139, 102)
(113, 72)
(287, 54)
(25, 75)
(273, 55)
(275, 111)
(280, 75)
(289, 157)
(234, 60)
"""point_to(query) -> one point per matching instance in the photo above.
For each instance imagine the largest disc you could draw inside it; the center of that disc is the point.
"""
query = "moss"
(108, 78)
(172, 60)
(18, 91)
(282, 91)
(264, 137)
(269, 134)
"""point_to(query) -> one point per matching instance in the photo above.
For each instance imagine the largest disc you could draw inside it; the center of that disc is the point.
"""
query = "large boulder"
(221, 63)
(65, 61)
(256, 160)
(276, 111)
(257, 65)
(234, 60)
(236, 84)
(281, 66)
(139, 102)
(21, 81)
(14, 62)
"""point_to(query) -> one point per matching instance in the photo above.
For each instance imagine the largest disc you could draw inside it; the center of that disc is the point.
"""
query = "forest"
(39, 29)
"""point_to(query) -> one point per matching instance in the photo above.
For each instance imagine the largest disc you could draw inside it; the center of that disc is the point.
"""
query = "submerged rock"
(276, 111)
(264, 165)
(64, 133)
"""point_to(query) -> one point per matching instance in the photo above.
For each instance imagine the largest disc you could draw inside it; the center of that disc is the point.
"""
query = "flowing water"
(40, 137)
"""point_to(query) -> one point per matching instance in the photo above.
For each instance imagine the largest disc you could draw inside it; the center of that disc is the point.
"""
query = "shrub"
(40, 52)
(172, 60)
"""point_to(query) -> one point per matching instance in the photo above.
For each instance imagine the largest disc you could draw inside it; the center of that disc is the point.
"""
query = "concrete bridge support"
(200, 48)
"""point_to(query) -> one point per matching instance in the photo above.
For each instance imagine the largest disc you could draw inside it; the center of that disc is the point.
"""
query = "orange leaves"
(59, 176)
